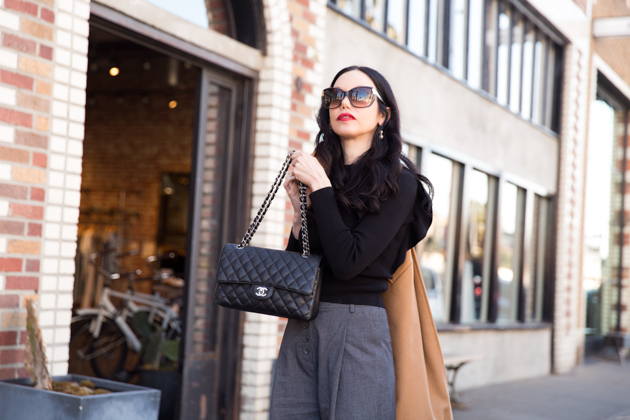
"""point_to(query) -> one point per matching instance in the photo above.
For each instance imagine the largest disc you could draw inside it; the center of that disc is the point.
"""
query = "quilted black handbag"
(269, 281)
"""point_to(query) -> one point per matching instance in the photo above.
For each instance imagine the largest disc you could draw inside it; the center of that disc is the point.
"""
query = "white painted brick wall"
(64, 180)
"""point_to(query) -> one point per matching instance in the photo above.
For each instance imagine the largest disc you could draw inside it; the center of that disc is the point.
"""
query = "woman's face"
(349, 122)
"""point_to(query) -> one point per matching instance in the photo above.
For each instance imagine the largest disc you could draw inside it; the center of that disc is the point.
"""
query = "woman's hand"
(309, 171)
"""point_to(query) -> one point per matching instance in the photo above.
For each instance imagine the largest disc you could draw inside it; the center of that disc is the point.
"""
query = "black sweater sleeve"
(349, 252)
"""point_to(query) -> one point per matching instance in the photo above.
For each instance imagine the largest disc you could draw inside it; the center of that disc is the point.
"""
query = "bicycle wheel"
(106, 353)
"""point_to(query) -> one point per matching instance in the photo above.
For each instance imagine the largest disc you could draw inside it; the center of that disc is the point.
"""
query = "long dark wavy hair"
(378, 169)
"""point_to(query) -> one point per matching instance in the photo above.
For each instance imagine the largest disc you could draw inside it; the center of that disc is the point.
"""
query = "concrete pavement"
(597, 390)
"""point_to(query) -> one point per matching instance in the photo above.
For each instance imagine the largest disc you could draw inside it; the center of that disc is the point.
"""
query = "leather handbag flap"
(279, 269)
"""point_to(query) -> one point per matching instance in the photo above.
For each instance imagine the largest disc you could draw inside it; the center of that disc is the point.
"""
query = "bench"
(453, 362)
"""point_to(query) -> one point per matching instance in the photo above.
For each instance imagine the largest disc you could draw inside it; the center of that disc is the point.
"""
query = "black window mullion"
(363, 10)
(446, 32)
(485, 74)
(493, 301)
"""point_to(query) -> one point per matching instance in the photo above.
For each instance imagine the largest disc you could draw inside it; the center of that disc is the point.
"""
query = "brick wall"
(42, 77)
(610, 8)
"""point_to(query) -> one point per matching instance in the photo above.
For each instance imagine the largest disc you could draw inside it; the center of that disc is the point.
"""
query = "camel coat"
(421, 385)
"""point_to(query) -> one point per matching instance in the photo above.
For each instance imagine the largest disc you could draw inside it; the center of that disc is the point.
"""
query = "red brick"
(15, 79)
(40, 159)
(7, 373)
(34, 229)
(47, 15)
(8, 338)
(10, 264)
(11, 228)
(46, 52)
(14, 155)
(11, 356)
(20, 44)
(31, 139)
(13, 191)
(32, 266)
(308, 63)
(16, 117)
(9, 301)
(25, 210)
(21, 372)
(21, 6)
(22, 283)
(300, 47)
(303, 135)
(304, 3)
(37, 194)
(310, 17)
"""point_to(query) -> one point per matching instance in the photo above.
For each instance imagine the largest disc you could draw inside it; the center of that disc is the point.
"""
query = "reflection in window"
(457, 38)
(435, 258)
(192, 10)
(515, 67)
(475, 42)
(417, 40)
(509, 274)
(503, 53)
(490, 46)
(375, 13)
(528, 68)
(549, 86)
(396, 20)
(474, 293)
(350, 7)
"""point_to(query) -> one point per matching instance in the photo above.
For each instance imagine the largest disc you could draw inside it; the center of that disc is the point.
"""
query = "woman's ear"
(383, 118)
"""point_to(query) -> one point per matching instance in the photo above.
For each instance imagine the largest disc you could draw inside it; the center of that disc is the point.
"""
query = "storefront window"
(509, 251)
(475, 278)
(192, 10)
(603, 204)
(436, 253)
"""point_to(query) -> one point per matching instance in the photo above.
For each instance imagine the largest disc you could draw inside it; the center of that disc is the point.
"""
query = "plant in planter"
(69, 397)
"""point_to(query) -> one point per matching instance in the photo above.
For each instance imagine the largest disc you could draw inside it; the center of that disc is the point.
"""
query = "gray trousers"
(338, 366)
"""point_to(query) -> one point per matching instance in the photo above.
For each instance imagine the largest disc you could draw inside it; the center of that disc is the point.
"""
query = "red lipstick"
(345, 117)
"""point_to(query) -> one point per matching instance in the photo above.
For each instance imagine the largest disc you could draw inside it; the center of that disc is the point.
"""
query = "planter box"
(19, 400)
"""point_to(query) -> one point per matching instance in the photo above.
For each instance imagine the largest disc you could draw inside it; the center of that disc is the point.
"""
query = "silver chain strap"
(306, 249)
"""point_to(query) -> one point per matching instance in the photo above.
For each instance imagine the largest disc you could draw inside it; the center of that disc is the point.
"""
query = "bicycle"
(103, 337)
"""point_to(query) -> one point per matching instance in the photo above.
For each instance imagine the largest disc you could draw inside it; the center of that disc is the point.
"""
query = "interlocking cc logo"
(261, 291)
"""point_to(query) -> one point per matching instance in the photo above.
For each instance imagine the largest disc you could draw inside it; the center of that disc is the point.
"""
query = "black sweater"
(361, 251)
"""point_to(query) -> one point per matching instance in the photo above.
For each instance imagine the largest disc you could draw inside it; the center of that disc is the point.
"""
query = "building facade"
(160, 127)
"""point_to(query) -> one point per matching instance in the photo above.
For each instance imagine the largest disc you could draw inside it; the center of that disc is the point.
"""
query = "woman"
(367, 207)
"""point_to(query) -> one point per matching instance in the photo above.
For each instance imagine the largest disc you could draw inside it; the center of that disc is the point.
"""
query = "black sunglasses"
(360, 97)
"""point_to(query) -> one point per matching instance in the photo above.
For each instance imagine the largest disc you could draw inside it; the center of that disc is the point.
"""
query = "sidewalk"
(597, 390)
